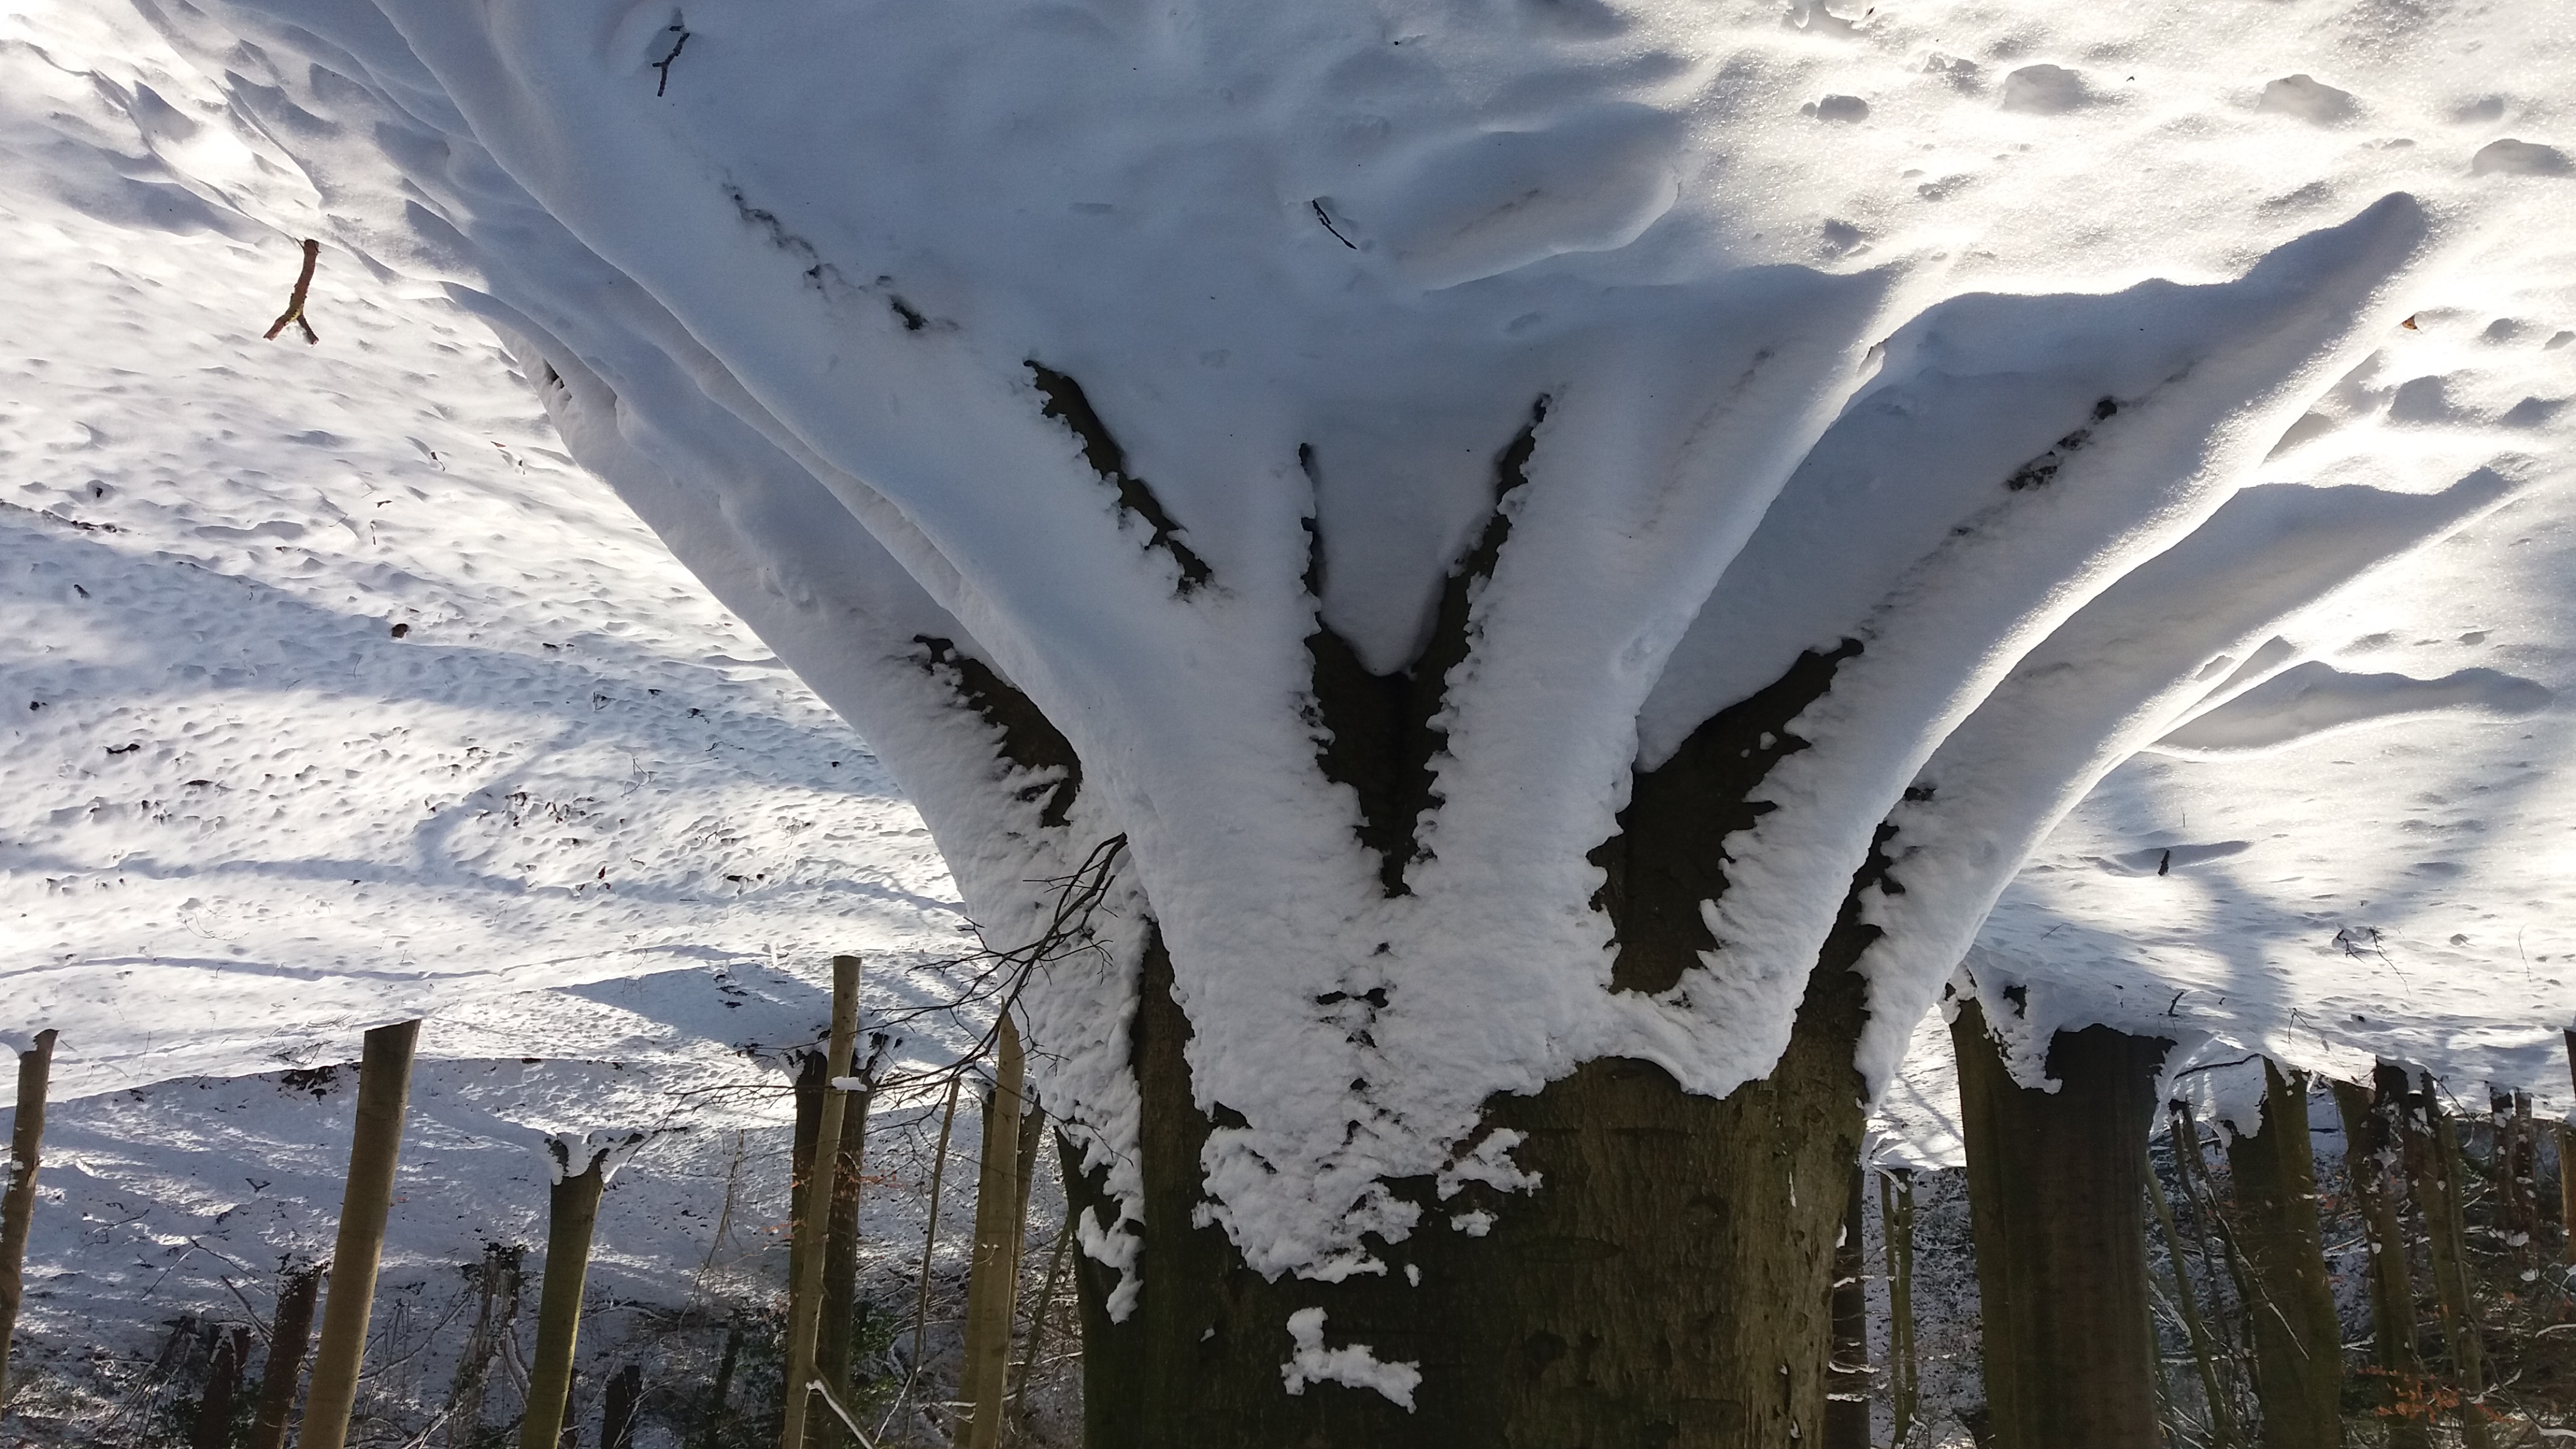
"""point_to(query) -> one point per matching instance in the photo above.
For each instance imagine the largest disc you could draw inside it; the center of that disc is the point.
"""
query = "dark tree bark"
(384, 1088)
(2370, 1163)
(1666, 1286)
(290, 1332)
(2298, 1343)
(1847, 1372)
(2057, 1199)
(18, 1203)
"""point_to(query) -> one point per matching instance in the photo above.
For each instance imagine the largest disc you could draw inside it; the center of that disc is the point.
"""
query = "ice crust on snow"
(2077, 373)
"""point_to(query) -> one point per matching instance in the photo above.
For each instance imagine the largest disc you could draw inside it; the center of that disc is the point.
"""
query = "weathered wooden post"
(2057, 1200)
(2298, 1342)
(384, 1088)
(1896, 1239)
(18, 1205)
(2433, 1168)
(992, 1280)
(804, 1297)
(572, 1213)
(290, 1333)
(2370, 1162)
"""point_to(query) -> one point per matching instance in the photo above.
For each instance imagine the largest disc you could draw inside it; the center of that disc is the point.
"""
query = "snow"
(2171, 408)
(1352, 1364)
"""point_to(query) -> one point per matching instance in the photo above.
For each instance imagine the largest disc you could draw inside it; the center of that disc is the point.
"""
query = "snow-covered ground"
(335, 693)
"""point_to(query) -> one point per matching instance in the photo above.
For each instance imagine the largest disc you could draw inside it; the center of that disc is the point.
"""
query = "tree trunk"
(2057, 1200)
(1665, 1282)
(384, 1087)
(18, 1204)
(804, 1298)
(2298, 1342)
(572, 1213)
(290, 1332)
(1847, 1367)
(2370, 1154)
(625, 1399)
(993, 1277)
(1665, 1285)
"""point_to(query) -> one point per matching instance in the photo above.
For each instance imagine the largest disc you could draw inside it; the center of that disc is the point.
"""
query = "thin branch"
(295, 302)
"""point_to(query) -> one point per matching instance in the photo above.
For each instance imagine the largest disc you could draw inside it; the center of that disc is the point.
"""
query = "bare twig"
(295, 302)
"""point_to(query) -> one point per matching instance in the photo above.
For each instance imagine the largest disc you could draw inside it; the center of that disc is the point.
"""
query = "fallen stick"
(295, 302)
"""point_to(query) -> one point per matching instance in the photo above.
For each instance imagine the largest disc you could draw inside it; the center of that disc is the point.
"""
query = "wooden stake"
(18, 1204)
(1896, 1239)
(992, 1279)
(2204, 1356)
(625, 1401)
(836, 1326)
(2370, 1154)
(804, 1298)
(384, 1088)
(2433, 1163)
(572, 1213)
(930, 1234)
(2298, 1342)
(290, 1333)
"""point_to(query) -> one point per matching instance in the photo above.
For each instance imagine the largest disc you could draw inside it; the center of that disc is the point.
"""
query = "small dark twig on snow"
(295, 302)
(664, 64)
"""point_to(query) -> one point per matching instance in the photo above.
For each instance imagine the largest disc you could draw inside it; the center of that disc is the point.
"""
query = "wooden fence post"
(384, 1088)
(18, 1204)
(804, 1296)
(572, 1213)
(290, 1333)
(992, 1279)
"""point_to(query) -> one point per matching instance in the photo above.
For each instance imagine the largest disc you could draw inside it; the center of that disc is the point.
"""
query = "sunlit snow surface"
(242, 818)
(791, 278)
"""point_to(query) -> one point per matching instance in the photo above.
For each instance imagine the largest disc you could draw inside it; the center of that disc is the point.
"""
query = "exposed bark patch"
(1029, 739)
(2040, 471)
(1670, 852)
(1378, 736)
(1066, 404)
